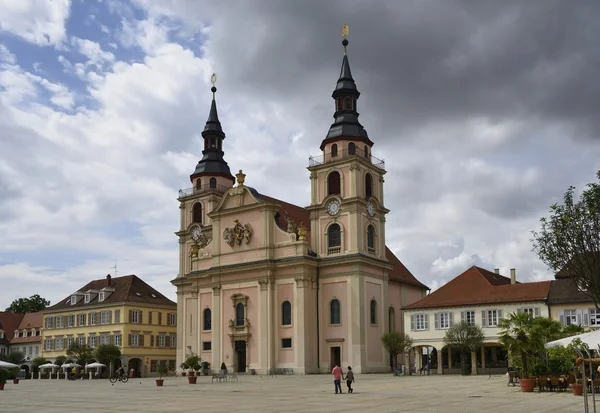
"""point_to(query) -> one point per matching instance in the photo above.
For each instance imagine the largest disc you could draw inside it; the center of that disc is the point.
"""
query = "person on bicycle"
(120, 372)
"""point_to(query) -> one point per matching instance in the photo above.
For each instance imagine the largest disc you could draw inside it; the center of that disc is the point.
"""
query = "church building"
(264, 284)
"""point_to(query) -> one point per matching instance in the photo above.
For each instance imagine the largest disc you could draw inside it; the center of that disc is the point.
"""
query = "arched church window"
(339, 104)
(334, 149)
(371, 238)
(213, 182)
(333, 183)
(373, 311)
(207, 320)
(348, 105)
(239, 314)
(368, 186)
(352, 148)
(197, 213)
(198, 184)
(334, 312)
(392, 319)
(334, 239)
(286, 313)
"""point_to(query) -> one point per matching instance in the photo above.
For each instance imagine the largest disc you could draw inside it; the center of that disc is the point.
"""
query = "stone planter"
(577, 389)
(192, 379)
(527, 385)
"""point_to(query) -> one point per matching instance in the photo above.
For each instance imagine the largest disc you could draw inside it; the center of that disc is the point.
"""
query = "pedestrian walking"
(349, 380)
(337, 378)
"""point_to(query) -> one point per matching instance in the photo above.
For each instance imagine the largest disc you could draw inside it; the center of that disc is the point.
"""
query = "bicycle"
(115, 378)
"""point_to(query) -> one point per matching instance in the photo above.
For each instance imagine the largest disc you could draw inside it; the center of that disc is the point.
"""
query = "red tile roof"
(480, 286)
(31, 320)
(9, 323)
(300, 215)
(128, 288)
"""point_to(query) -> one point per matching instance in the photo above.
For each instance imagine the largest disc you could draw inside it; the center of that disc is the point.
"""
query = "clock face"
(196, 232)
(333, 207)
(371, 209)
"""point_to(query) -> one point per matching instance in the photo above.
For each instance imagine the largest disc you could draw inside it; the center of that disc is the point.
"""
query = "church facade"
(264, 284)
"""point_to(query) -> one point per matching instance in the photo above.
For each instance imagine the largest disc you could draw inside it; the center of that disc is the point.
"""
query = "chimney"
(497, 270)
(513, 276)
(108, 280)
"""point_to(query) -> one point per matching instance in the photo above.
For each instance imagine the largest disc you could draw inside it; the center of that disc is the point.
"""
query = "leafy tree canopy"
(16, 357)
(107, 353)
(569, 239)
(32, 304)
(82, 353)
(396, 343)
(60, 360)
(464, 336)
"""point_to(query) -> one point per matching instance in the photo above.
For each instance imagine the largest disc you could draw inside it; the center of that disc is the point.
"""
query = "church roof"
(301, 215)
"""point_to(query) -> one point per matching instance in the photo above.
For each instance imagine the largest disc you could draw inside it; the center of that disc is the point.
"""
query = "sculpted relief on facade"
(237, 234)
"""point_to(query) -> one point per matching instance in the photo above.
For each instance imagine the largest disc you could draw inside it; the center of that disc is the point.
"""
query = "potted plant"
(205, 367)
(520, 337)
(193, 363)
(3, 378)
(163, 370)
(13, 373)
(184, 367)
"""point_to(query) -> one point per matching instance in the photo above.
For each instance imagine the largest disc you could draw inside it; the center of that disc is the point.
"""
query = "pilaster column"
(483, 357)
(473, 362)
(439, 361)
(180, 352)
(354, 309)
(449, 358)
(263, 328)
(216, 323)
(271, 320)
(300, 335)
(385, 315)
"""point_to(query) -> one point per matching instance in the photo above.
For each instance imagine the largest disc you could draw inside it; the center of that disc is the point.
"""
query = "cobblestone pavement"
(311, 393)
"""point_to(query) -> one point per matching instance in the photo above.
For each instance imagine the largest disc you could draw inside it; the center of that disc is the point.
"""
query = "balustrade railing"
(344, 154)
(221, 189)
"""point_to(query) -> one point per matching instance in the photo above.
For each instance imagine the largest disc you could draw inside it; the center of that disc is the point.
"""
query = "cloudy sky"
(484, 114)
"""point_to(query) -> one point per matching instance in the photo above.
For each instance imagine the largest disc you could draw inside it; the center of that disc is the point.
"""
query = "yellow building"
(124, 311)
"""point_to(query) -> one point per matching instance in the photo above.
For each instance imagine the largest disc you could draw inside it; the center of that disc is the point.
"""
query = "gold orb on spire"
(241, 177)
(345, 30)
(213, 79)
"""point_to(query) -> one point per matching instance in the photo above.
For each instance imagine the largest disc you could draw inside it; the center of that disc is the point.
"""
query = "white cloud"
(92, 50)
(39, 22)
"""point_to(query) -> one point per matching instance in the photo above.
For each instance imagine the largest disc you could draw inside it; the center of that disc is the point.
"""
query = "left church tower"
(210, 180)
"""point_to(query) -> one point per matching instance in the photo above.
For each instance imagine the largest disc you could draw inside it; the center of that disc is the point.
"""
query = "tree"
(32, 304)
(569, 239)
(36, 363)
(522, 337)
(16, 357)
(82, 353)
(396, 343)
(60, 360)
(107, 353)
(466, 337)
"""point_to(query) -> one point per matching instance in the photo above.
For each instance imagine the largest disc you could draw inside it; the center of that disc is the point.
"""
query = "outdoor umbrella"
(5, 365)
(94, 365)
(592, 339)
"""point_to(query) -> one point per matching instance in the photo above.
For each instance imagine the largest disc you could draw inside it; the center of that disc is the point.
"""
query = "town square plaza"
(293, 393)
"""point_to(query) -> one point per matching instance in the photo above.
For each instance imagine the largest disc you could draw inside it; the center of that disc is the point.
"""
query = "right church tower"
(347, 217)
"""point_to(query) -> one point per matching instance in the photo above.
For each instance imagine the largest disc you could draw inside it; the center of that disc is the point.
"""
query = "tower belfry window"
(198, 184)
(348, 104)
(197, 213)
(368, 186)
(351, 148)
(371, 238)
(213, 182)
(333, 183)
(339, 104)
(334, 149)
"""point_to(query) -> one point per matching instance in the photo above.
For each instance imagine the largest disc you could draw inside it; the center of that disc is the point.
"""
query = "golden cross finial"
(345, 31)
(213, 79)
(241, 177)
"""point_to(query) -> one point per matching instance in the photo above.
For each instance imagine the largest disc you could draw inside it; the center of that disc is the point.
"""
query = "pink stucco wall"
(374, 332)
(285, 292)
(329, 290)
(395, 301)
(205, 302)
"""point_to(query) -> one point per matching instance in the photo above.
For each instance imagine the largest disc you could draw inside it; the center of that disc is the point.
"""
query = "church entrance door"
(335, 357)
(240, 352)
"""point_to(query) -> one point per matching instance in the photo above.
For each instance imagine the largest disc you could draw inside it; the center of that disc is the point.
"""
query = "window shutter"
(412, 322)
(451, 315)
(151, 340)
(141, 320)
(110, 317)
(437, 320)
(463, 316)
(536, 311)
(586, 319)
(499, 315)
(160, 318)
(130, 316)
(519, 310)
(89, 340)
(141, 340)
(129, 337)
(112, 339)
(561, 318)
(578, 319)
(426, 316)
(483, 319)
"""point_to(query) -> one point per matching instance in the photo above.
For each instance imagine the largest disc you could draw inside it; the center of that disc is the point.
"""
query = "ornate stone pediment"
(237, 234)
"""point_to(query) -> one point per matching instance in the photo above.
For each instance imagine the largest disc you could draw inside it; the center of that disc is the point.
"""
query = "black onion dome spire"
(212, 162)
(346, 124)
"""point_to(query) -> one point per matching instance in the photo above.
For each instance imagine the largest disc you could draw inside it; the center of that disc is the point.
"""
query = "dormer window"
(87, 298)
(101, 296)
(73, 299)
